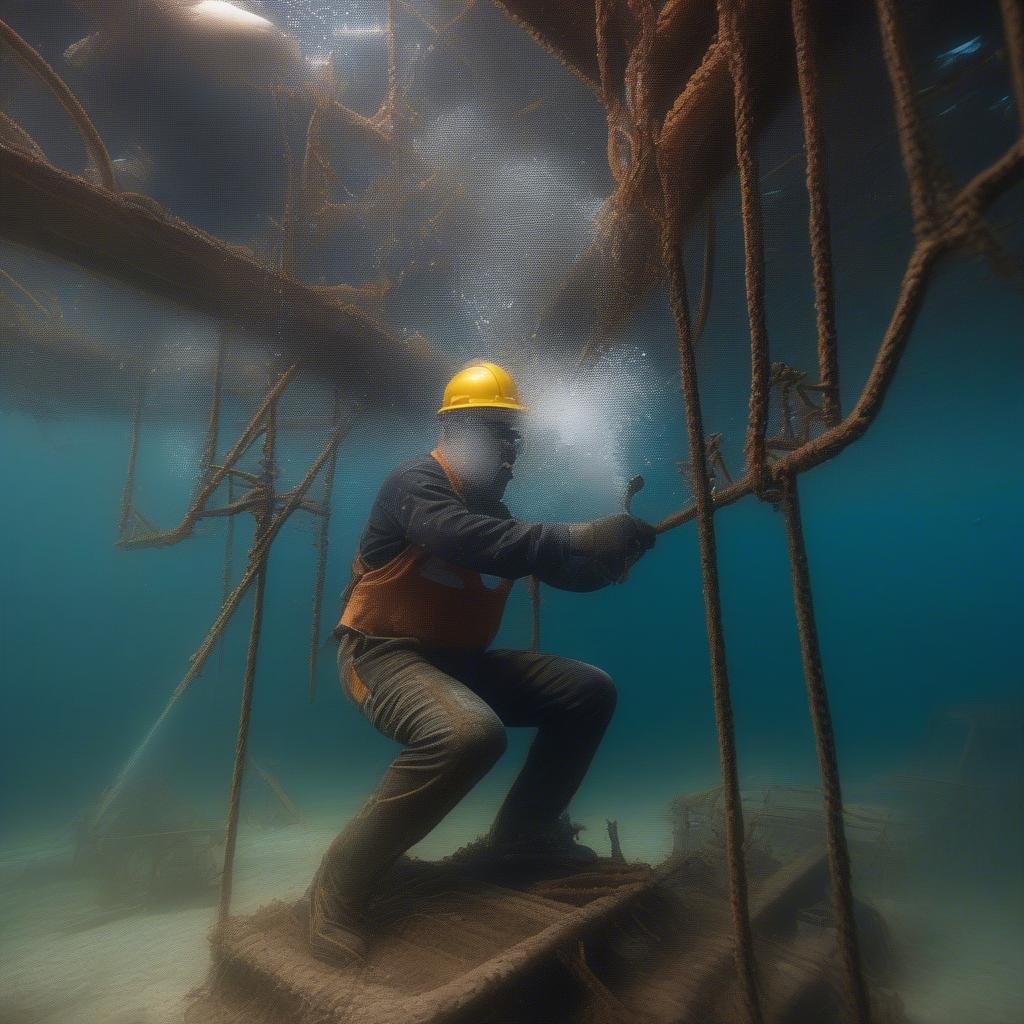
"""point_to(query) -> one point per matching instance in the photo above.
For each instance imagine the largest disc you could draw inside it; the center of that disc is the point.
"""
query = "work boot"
(554, 842)
(336, 925)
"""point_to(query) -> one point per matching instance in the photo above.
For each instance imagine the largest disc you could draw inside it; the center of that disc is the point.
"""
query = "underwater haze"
(458, 241)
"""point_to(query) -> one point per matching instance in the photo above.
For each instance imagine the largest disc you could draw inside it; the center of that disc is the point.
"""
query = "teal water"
(914, 533)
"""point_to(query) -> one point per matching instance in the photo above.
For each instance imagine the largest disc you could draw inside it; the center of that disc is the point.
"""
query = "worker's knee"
(475, 742)
(596, 691)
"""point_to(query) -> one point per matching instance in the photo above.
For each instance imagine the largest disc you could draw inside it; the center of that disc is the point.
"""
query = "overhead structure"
(944, 220)
(132, 240)
(685, 88)
(690, 95)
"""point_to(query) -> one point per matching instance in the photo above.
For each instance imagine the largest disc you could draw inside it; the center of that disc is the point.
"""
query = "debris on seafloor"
(151, 849)
(272, 807)
(468, 939)
(780, 821)
(959, 792)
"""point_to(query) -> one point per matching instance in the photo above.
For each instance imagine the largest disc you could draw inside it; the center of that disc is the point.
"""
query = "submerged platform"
(606, 944)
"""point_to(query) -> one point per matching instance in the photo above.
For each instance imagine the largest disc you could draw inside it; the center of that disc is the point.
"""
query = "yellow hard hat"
(482, 386)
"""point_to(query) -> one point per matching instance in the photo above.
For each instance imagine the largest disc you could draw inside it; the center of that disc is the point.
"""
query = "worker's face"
(486, 446)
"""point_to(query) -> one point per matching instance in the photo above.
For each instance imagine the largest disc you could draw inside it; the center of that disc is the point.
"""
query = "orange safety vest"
(421, 595)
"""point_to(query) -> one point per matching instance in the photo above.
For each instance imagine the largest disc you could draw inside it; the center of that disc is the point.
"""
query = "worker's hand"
(617, 542)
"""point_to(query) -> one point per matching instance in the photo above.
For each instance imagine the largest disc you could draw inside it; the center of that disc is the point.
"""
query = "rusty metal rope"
(213, 423)
(21, 290)
(732, 36)
(818, 219)
(716, 643)
(638, 88)
(261, 545)
(128, 493)
(979, 193)
(322, 538)
(916, 162)
(942, 220)
(732, 810)
(212, 481)
(1013, 30)
(825, 743)
(34, 61)
(259, 561)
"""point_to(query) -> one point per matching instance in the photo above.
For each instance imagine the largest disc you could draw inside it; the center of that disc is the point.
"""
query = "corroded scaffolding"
(663, 75)
(943, 221)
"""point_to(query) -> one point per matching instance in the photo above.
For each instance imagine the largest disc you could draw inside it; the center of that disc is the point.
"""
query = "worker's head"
(481, 431)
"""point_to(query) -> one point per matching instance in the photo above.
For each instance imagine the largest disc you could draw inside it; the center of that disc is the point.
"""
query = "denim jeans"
(449, 710)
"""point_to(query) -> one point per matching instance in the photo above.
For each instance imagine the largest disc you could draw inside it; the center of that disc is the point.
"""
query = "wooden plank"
(696, 971)
(442, 948)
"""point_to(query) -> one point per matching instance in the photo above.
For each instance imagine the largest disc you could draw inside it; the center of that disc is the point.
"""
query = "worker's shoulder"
(419, 470)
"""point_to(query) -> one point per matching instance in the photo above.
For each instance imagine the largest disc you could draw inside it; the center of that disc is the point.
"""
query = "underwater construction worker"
(435, 565)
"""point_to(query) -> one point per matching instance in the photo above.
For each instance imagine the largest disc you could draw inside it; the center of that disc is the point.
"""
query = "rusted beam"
(683, 32)
(799, 883)
(133, 240)
(696, 145)
(972, 200)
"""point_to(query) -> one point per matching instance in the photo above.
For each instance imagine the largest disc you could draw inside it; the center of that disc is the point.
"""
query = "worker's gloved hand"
(615, 543)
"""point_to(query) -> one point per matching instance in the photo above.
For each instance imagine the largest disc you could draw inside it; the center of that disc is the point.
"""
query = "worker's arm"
(417, 505)
(430, 514)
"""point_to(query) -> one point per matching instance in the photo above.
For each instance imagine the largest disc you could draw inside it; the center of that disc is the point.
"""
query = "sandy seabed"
(64, 959)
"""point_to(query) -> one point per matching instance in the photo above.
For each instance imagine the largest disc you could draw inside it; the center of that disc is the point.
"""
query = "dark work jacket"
(417, 504)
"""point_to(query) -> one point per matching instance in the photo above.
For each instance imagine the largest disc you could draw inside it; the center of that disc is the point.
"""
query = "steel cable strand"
(627, 168)
(940, 212)
(1013, 30)
(128, 493)
(858, 1001)
(819, 231)
(263, 520)
(35, 62)
(755, 450)
(924, 202)
(732, 812)
(260, 547)
(672, 262)
(323, 528)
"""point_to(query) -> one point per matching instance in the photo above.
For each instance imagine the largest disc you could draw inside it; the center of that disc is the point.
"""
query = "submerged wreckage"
(609, 943)
(729, 928)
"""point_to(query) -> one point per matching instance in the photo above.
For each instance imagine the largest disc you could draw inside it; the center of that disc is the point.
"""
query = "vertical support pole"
(391, 124)
(732, 35)
(261, 545)
(1013, 30)
(133, 451)
(824, 738)
(819, 229)
(916, 160)
(322, 536)
(261, 552)
(213, 426)
(226, 574)
(732, 810)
